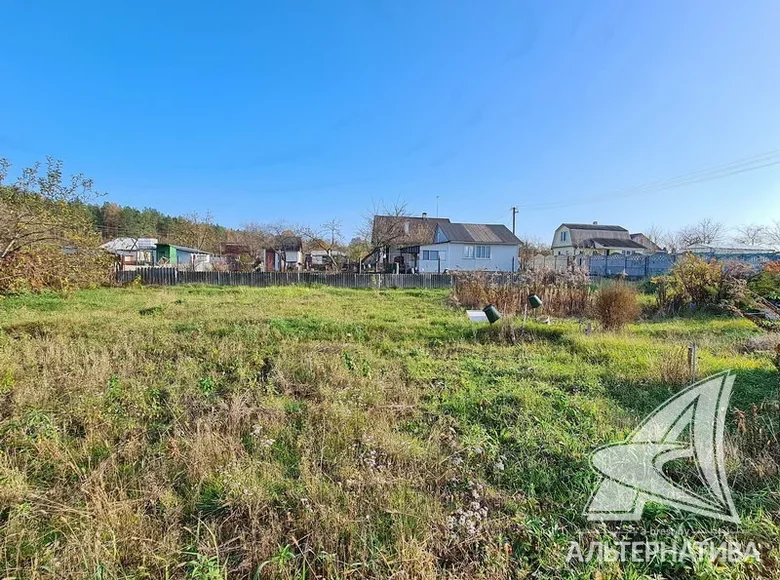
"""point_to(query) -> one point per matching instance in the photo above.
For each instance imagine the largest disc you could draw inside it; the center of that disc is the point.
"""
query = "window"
(564, 236)
(468, 251)
(434, 255)
(482, 252)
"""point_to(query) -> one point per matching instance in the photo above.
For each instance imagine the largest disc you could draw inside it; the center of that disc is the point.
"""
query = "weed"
(207, 386)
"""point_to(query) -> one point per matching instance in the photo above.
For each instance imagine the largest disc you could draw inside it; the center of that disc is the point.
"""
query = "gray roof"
(478, 233)
(130, 244)
(595, 227)
(616, 243)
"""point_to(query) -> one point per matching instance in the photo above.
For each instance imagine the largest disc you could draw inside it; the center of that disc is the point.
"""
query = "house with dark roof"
(471, 247)
(391, 234)
(572, 239)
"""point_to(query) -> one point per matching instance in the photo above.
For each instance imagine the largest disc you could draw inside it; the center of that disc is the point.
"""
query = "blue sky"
(304, 111)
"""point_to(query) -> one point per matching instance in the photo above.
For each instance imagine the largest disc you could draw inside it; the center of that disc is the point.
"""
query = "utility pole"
(437, 206)
(514, 224)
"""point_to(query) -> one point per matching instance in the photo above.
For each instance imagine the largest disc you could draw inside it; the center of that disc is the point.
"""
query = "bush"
(616, 305)
(699, 283)
(767, 283)
(49, 268)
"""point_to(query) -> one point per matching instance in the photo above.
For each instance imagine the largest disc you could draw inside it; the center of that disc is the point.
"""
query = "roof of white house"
(595, 226)
(614, 243)
(477, 234)
(582, 233)
(130, 244)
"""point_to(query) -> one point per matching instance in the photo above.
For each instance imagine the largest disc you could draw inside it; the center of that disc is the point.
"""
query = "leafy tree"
(48, 238)
(42, 208)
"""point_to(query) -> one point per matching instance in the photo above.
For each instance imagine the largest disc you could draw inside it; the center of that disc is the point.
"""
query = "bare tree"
(532, 246)
(328, 237)
(382, 228)
(751, 234)
(772, 235)
(655, 234)
(704, 232)
(282, 235)
(671, 240)
(255, 238)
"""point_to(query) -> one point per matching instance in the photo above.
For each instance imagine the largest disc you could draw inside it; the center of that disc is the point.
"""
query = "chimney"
(595, 223)
(424, 215)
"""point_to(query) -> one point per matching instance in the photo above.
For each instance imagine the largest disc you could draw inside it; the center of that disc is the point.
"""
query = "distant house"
(390, 234)
(183, 257)
(133, 252)
(286, 255)
(641, 238)
(461, 246)
(139, 252)
(322, 259)
(573, 239)
(236, 256)
(713, 250)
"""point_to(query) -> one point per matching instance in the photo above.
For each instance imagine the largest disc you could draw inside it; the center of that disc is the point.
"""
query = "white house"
(133, 251)
(571, 239)
(489, 247)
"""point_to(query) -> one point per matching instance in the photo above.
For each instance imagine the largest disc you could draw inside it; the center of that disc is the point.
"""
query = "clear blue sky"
(262, 111)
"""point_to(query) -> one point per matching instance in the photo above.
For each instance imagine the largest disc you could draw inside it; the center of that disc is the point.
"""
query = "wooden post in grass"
(525, 315)
(692, 355)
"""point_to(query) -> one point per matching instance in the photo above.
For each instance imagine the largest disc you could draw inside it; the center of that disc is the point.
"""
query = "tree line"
(44, 208)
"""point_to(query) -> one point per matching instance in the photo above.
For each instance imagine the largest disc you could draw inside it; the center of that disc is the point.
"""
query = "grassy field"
(297, 433)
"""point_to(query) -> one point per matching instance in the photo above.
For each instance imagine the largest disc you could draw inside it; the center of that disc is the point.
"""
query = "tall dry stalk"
(562, 294)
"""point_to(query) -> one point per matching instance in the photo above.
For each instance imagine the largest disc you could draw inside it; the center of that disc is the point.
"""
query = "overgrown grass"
(204, 432)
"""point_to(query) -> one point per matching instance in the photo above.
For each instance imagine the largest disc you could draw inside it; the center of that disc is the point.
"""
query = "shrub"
(767, 283)
(616, 304)
(49, 268)
(696, 282)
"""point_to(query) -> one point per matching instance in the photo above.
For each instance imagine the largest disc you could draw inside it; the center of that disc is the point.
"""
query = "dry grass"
(616, 304)
(288, 433)
(566, 294)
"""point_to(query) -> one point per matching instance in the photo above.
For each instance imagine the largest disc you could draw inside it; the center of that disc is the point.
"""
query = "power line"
(753, 163)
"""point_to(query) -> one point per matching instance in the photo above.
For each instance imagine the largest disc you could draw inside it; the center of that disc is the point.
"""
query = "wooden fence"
(172, 277)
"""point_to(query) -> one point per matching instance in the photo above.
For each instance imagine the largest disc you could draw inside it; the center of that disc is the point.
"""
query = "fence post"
(692, 356)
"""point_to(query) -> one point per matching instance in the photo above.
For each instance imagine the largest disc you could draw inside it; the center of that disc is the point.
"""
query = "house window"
(482, 252)
(468, 252)
(564, 236)
(432, 254)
